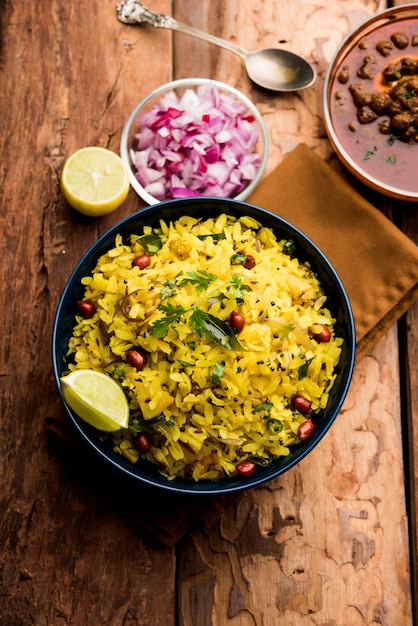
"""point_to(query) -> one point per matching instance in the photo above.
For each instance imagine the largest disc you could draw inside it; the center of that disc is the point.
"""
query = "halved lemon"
(96, 398)
(95, 181)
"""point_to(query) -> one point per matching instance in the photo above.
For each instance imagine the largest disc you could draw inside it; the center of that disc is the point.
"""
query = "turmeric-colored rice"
(206, 405)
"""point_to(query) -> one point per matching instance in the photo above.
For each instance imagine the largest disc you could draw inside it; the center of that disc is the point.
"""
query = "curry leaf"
(151, 243)
(219, 332)
(139, 425)
(261, 461)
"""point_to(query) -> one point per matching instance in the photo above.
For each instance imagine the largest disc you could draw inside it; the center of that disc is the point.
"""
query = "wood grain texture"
(70, 73)
(411, 430)
(407, 219)
(312, 547)
(327, 544)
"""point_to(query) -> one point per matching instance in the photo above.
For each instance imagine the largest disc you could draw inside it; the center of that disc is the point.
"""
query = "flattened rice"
(206, 398)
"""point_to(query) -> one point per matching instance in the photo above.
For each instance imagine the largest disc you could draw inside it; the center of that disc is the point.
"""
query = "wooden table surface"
(334, 540)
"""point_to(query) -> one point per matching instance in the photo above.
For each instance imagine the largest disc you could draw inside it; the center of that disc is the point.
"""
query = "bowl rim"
(190, 82)
(224, 485)
(376, 21)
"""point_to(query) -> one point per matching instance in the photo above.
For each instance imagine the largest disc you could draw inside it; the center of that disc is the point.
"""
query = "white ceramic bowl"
(129, 143)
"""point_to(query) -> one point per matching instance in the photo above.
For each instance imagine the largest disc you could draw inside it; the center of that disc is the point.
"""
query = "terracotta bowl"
(367, 92)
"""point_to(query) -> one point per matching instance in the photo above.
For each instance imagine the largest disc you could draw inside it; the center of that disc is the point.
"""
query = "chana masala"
(374, 103)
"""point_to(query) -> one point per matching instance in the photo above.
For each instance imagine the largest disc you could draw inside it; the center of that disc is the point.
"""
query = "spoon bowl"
(279, 70)
(272, 68)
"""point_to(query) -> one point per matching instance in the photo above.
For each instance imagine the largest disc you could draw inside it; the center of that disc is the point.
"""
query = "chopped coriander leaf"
(200, 279)
(201, 322)
(237, 288)
(197, 321)
(289, 247)
(303, 369)
(118, 371)
(172, 314)
(238, 259)
(169, 289)
(263, 406)
(370, 153)
(217, 372)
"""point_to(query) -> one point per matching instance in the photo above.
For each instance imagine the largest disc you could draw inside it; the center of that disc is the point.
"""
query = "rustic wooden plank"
(70, 74)
(411, 407)
(328, 541)
(406, 216)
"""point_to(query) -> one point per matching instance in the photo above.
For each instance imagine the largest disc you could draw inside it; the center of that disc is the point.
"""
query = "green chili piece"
(274, 425)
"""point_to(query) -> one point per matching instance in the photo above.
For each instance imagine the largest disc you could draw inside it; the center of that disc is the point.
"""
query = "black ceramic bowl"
(306, 250)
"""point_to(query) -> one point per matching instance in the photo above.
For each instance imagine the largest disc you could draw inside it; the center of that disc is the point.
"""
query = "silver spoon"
(273, 69)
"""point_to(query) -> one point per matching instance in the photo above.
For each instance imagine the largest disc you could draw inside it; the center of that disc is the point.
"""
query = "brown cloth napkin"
(377, 264)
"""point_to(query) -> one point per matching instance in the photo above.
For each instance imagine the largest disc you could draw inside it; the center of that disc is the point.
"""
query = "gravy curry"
(374, 104)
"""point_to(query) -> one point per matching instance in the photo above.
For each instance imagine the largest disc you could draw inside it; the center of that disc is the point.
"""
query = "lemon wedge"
(96, 398)
(95, 181)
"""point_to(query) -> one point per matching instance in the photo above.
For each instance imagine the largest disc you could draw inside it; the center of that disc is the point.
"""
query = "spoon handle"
(133, 12)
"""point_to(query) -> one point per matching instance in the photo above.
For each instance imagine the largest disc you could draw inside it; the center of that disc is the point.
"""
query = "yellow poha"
(206, 398)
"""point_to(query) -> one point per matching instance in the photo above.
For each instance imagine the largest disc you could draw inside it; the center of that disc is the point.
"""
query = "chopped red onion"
(202, 144)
